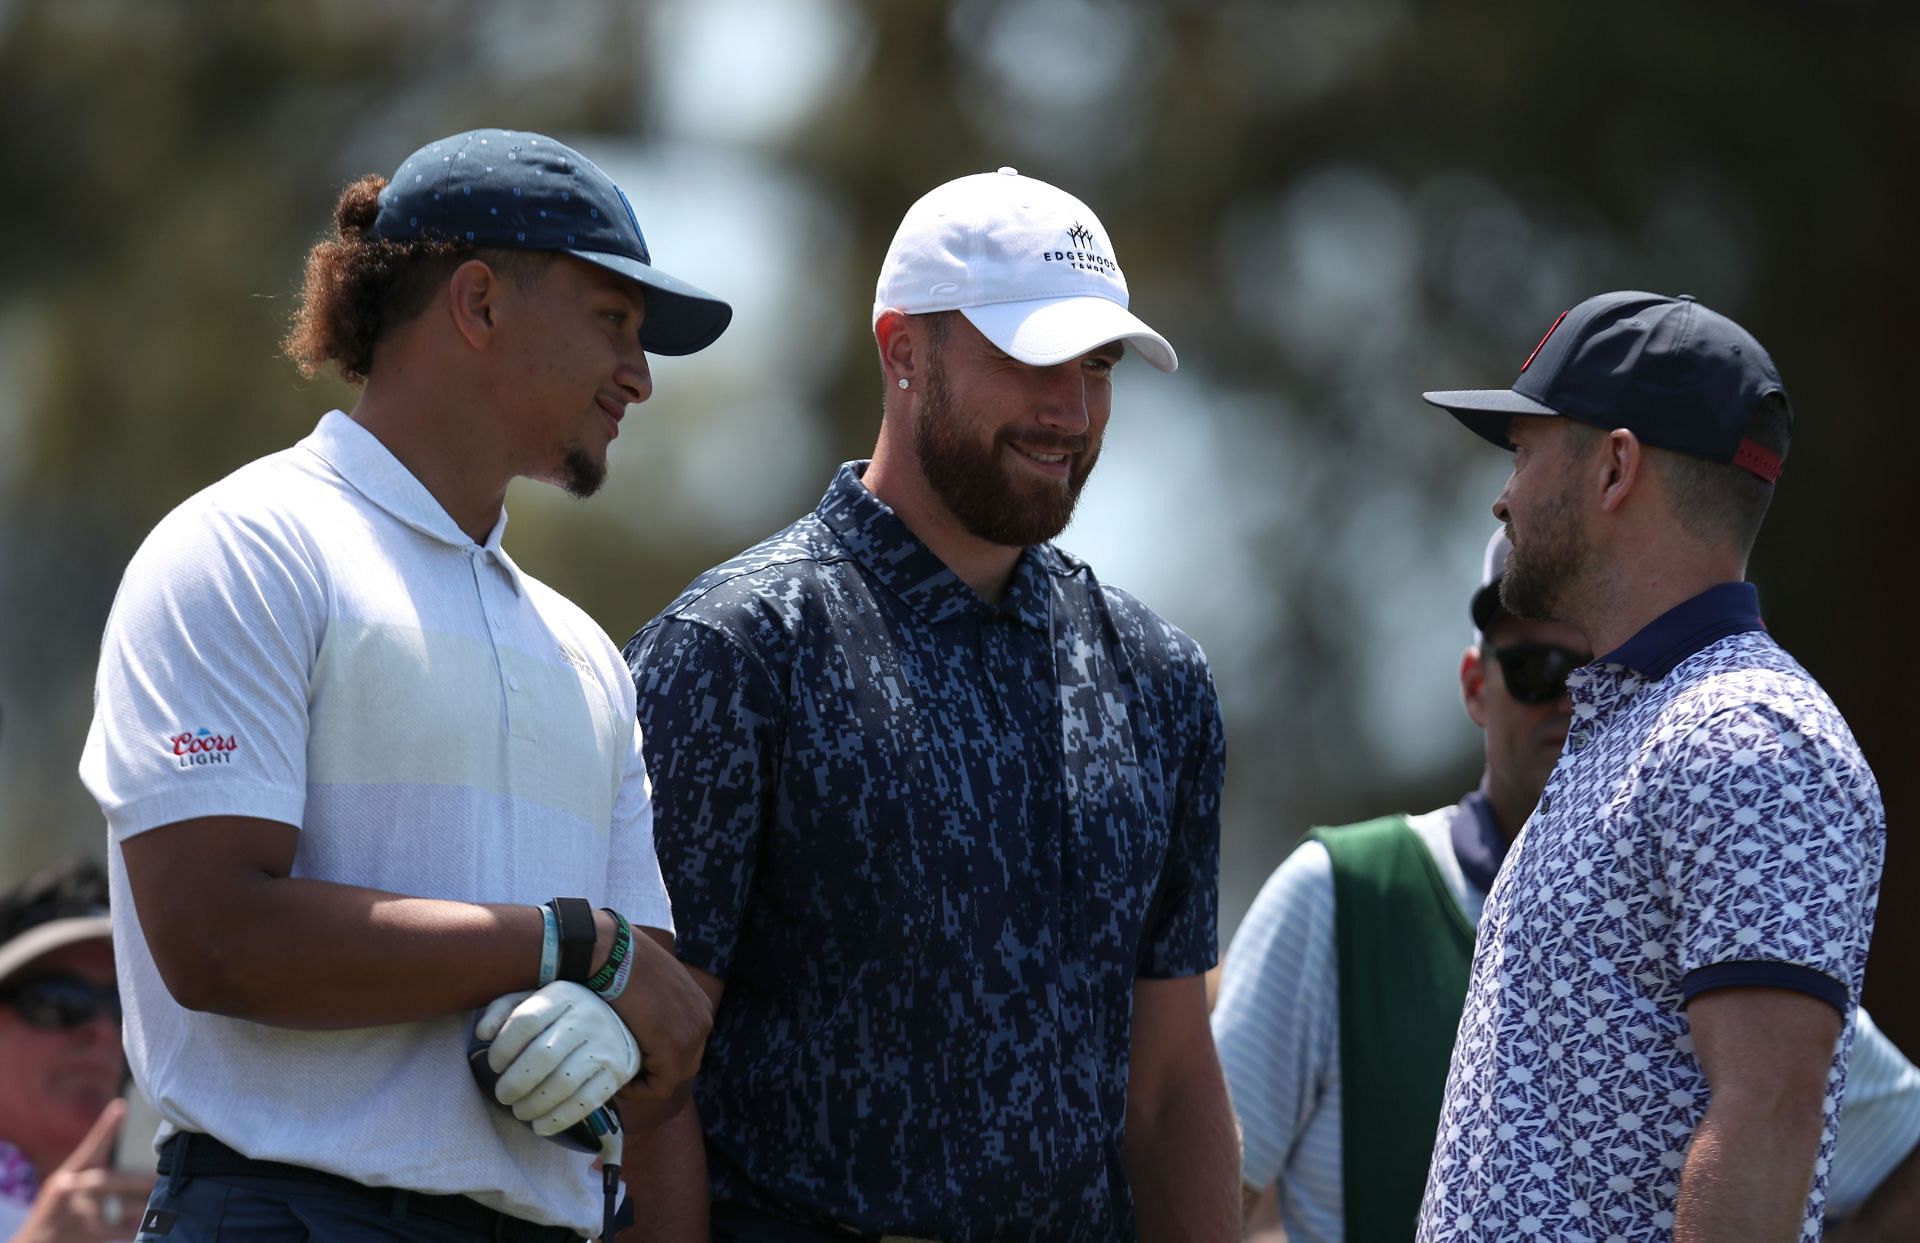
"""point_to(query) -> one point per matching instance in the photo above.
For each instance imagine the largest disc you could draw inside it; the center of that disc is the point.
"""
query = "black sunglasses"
(1536, 673)
(61, 1002)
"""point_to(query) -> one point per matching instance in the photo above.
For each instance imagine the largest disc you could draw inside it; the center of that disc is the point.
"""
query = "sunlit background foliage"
(1328, 205)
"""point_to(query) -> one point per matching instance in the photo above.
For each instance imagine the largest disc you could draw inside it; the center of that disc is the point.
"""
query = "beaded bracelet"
(617, 957)
(549, 946)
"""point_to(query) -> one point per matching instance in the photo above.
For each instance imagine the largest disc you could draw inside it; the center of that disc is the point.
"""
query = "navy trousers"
(217, 1196)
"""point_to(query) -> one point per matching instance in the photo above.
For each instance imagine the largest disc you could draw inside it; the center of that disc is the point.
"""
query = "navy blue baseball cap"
(1674, 373)
(515, 190)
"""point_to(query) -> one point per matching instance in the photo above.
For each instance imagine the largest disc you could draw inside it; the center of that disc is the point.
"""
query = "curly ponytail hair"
(358, 286)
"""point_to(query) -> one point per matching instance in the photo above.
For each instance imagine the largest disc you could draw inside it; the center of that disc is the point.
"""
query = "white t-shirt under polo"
(312, 640)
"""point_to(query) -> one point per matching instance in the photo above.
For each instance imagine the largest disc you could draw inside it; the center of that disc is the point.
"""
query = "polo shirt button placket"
(509, 682)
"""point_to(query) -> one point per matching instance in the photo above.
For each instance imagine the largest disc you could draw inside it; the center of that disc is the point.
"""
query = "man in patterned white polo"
(1656, 1033)
(1344, 982)
(1342, 991)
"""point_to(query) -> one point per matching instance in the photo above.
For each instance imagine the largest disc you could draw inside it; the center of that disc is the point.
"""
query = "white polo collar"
(359, 457)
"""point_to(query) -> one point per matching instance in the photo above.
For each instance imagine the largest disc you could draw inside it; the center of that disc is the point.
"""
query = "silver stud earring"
(903, 382)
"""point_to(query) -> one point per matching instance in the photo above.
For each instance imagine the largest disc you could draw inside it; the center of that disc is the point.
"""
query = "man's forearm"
(1183, 1160)
(1746, 1176)
(322, 956)
(666, 1169)
(233, 933)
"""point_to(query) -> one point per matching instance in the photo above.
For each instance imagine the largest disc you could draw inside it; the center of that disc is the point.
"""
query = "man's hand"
(1891, 1214)
(561, 1053)
(85, 1202)
(669, 1017)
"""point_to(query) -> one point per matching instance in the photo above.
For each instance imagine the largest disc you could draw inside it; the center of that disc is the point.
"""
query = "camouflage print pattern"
(929, 844)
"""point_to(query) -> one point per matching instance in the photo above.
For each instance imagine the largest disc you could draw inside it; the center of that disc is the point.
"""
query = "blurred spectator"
(60, 1063)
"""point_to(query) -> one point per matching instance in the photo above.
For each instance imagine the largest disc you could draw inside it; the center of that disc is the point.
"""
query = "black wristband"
(577, 936)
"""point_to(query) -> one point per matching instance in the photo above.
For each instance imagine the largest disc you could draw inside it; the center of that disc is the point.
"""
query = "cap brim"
(1052, 330)
(1486, 412)
(681, 319)
(50, 936)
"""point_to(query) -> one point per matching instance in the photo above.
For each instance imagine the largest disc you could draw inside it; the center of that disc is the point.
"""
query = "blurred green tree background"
(1328, 205)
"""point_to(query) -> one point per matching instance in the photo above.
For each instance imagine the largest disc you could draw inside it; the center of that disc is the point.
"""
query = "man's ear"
(1473, 685)
(1618, 468)
(473, 294)
(903, 347)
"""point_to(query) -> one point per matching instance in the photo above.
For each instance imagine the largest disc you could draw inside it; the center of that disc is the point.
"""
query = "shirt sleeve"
(1879, 1118)
(1772, 869)
(635, 886)
(200, 703)
(1182, 931)
(1274, 1023)
(709, 725)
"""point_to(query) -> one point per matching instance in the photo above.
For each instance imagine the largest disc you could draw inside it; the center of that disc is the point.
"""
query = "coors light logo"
(203, 747)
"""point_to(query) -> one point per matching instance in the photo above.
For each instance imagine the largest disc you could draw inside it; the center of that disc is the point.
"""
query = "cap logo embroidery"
(1543, 341)
(203, 747)
(1081, 255)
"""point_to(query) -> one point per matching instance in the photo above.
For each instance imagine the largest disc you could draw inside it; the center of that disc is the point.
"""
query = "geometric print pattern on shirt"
(1713, 823)
(930, 843)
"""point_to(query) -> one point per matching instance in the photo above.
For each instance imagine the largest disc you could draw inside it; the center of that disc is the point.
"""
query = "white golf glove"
(560, 1053)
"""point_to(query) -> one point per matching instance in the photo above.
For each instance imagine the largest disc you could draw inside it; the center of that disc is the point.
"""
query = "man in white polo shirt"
(346, 747)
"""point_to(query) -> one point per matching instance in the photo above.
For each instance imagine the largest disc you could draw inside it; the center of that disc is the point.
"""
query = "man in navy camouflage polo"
(1656, 1035)
(939, 810)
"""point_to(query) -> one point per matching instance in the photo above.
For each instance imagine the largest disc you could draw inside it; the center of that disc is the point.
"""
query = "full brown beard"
(976, 486)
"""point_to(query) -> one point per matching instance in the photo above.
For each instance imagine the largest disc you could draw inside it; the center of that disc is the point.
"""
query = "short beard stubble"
(1541, 579)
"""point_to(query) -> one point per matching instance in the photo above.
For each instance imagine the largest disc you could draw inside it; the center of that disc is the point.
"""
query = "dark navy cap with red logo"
(514, 190)
(1674, 373)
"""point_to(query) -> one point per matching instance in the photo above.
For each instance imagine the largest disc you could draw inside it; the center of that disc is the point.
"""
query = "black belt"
(192, 1153)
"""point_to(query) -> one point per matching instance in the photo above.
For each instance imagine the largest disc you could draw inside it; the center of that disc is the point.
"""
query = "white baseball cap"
(47, 937)
(1028, 264)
